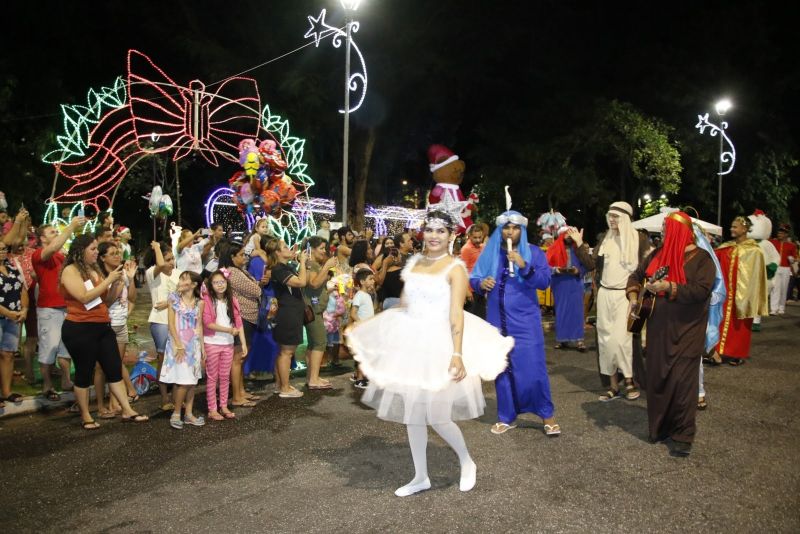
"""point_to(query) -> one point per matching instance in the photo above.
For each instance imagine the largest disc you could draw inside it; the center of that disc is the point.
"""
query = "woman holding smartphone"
(315, 294)
(87, 331)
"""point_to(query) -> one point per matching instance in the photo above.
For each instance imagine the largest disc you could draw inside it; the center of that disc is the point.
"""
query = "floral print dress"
(190, 370)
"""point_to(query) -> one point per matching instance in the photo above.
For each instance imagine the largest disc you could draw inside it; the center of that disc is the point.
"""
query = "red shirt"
(47, 272)
(785, 249)
(469, 255)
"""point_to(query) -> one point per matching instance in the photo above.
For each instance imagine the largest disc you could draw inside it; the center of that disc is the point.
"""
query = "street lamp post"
(349, 7)
(725, 156)
(353, 81)
(722, 107)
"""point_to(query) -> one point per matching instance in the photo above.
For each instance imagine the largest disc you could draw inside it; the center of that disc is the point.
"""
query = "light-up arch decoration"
(149, 113)
(220, 205)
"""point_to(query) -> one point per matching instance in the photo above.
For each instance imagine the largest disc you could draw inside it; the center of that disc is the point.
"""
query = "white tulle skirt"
(406, 358)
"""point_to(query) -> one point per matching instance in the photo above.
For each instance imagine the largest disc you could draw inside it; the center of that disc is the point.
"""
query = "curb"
(40, 404)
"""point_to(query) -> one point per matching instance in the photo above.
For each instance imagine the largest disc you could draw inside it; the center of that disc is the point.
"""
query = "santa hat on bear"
(439, 156)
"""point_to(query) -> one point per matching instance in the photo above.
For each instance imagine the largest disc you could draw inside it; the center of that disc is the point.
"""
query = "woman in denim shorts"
(13, 310)
(162, 279)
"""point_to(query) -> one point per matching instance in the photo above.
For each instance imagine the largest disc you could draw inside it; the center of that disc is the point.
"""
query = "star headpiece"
(454, 208)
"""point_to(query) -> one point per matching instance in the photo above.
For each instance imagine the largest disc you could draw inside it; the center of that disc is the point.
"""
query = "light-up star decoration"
(457, 209)
(320, 30)
(727, 156)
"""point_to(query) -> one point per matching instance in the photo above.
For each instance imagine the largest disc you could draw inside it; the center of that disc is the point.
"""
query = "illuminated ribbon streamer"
(727, 156)
(320, 30)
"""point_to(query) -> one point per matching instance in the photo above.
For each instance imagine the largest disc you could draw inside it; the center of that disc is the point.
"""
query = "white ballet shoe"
(469, 475)
(413, 487)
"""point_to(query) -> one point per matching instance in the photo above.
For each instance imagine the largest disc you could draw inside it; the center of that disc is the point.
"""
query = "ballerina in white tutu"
(425, 360)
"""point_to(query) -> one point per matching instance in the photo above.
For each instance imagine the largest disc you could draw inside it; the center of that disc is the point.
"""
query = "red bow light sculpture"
(162, 116)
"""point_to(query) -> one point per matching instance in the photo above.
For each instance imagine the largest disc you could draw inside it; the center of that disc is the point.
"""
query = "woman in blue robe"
(513, 307)
(570, 260)
(263, 350)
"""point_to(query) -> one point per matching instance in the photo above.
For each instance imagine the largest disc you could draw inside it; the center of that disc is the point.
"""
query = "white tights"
(418, 441)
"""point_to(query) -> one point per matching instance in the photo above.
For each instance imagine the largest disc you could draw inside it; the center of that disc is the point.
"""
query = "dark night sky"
(457, 72)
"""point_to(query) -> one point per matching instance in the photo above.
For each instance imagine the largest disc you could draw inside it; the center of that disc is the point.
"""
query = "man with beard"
(676, 330)
(470, 252)
(619, 253)
(508, 273)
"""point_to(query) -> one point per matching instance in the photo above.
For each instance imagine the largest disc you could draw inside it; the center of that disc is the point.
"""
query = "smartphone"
(80, 211)
(394, 252)
(205, 232)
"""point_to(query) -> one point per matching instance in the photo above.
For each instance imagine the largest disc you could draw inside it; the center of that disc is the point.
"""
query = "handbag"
(308, 314)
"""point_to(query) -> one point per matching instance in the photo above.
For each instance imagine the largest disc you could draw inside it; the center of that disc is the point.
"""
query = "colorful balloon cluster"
(160, 204)
(262, 183)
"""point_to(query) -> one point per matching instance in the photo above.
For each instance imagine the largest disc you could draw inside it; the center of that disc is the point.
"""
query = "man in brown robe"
(675, 331)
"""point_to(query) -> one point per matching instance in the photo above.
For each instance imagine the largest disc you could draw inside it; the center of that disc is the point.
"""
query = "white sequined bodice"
(428, 294)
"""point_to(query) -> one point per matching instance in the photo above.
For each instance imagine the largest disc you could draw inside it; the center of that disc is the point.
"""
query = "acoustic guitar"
(644, 306)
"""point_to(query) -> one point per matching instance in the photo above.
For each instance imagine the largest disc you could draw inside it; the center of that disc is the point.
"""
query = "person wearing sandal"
(247, 291)
(47, 262)
(676, 330)
(184, 354)
(13, 311)
(619, 253)
(222, 322)
(315, 295)
(570, 260)
(509, 272)
(87, 331)
(110, 256)
(289, 319)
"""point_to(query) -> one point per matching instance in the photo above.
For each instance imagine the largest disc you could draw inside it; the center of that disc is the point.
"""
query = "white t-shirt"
(221, 338)
(160, 288)
(191, 258)
(212, 265)
(365, 307)
(118, 311)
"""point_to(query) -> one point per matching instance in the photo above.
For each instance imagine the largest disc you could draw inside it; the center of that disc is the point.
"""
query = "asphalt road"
(324, 463)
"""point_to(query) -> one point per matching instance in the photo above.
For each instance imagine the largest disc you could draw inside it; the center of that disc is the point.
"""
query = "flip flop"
(245, 404)
(107, 415)
(552, 430)
(51, 395)
(321, 386)
(138, 418)
(90, 425)
(501, 428)
(15, 398)
(293, 394)
(215, 417)
(229, 415)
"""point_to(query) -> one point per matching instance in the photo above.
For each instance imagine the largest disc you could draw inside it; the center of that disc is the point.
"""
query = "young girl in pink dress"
(222, 322)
